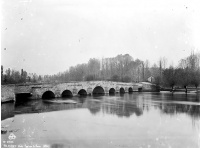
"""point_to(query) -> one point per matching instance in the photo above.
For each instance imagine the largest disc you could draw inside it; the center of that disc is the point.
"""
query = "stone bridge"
(82, 88)
(43, 91)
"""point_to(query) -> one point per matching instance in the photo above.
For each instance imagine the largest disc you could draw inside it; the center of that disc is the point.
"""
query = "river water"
(137, 120)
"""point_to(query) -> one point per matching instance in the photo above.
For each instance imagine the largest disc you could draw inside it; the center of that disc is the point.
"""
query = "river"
(137, 120)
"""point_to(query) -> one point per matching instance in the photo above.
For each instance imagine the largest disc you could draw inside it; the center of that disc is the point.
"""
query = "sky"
(49, 36)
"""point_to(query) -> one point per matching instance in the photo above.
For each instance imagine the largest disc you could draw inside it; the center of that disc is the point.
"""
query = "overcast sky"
(49, 36)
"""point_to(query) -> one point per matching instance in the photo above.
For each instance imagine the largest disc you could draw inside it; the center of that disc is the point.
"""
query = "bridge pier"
(75, 95)
(106, 90)
(89, 91)
(36, 94)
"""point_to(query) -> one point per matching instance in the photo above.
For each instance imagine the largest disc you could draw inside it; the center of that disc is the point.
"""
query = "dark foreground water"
(137, 120)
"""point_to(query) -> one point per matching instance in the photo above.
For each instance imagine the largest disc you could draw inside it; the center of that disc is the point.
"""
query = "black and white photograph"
(100, 74)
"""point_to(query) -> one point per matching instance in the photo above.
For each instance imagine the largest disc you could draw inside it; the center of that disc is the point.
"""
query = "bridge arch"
(112, 91)
(48, 95)
(66, 93)
(98, 90)
(121, 90)
(82, 92)
(130, 89)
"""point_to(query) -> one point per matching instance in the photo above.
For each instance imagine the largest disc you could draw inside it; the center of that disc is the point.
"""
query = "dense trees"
(169, 77)
(11, 76)
(122, 68)
(187, 73)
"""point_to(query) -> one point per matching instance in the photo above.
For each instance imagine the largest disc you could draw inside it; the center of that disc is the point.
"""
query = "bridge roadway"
(54, 90)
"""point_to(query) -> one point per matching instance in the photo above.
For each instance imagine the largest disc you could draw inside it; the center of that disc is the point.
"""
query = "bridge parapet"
(22, 89)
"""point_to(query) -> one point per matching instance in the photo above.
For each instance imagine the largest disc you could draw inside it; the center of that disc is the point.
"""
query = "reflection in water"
(133, 120)
(120, 105)
(7, 110)
(192, 110)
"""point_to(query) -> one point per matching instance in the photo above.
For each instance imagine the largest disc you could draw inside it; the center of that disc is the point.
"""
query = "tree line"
(187, 73)
(11, 76)
(122, 68)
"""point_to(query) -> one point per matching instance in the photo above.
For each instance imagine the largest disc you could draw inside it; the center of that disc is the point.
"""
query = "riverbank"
(189, 90)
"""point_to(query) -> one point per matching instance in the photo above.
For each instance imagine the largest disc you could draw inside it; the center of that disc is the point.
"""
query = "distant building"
(151, 79)
(149, 87)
